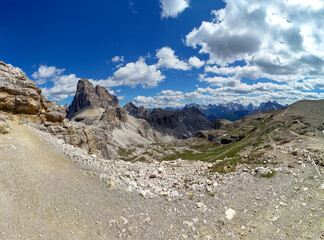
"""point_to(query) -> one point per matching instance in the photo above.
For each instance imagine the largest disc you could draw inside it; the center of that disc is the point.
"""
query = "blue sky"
(160, 53)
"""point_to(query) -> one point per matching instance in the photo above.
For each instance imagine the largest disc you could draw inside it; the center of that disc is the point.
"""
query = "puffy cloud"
(133, 74)
(120, 97)
(172, 8)
(220, 81)
(169, 96)
(166, 98)
(45, 72)
(279, 40)
(309, 84)
(117, 59)
(196, 62)
(64, 87)
(167, 59)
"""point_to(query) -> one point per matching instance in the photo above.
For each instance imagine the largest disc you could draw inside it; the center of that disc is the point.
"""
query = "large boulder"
(18, 94)
(86, 95)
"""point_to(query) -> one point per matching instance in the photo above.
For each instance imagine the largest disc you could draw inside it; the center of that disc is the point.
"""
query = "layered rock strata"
(18, 94)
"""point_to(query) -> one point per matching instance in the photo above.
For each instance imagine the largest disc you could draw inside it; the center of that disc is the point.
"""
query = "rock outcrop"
(182, 124)
(18, 94)
(5, 124)
(86, 95)
(138, 112)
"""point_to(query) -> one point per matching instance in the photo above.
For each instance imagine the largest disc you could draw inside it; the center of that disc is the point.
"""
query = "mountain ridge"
(229, 111)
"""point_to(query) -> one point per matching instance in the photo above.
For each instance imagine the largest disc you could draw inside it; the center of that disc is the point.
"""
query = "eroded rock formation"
(18, 94)
(181, 124)
(86, 95)
(138, 112)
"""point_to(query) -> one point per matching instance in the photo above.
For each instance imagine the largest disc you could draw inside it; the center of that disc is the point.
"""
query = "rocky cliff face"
(181, 124)
(86, 95)
(18, 94)
(138, 112)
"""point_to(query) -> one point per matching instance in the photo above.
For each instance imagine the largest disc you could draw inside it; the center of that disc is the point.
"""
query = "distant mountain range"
(232, 111)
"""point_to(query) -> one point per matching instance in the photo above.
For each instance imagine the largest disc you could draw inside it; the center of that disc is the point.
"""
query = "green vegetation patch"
(225, 166)
(270, 174)
(211, 153)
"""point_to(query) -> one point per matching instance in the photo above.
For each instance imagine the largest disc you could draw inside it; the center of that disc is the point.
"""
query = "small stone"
(230, 213)
(291, 165)
(275, 218)
(262, 172)
(207, 237)
(124, 219)
(174, 193)
(209, 188)
(200, 204)
(111, 184)
(144, 193)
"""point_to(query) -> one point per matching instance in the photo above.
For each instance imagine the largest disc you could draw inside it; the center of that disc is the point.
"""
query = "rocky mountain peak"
(88, 95)
(129, 107)
(138, 112)
(105, 98)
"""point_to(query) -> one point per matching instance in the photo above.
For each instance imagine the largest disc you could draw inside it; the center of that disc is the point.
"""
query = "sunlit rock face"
(86, 95)
(18, 94)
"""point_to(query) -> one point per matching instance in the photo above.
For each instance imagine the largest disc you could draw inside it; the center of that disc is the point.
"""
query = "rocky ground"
(51, 190)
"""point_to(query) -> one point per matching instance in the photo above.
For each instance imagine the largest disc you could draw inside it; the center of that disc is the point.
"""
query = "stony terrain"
(47, 196)
(108, 175)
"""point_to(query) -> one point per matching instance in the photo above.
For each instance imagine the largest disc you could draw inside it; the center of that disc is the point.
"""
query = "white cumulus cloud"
(196, 62)
(64, 87)
(118, 59)
(167, 59)
(279, 40)
(172, 8)
(166, 98)
(133, 74)
(46, 72)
